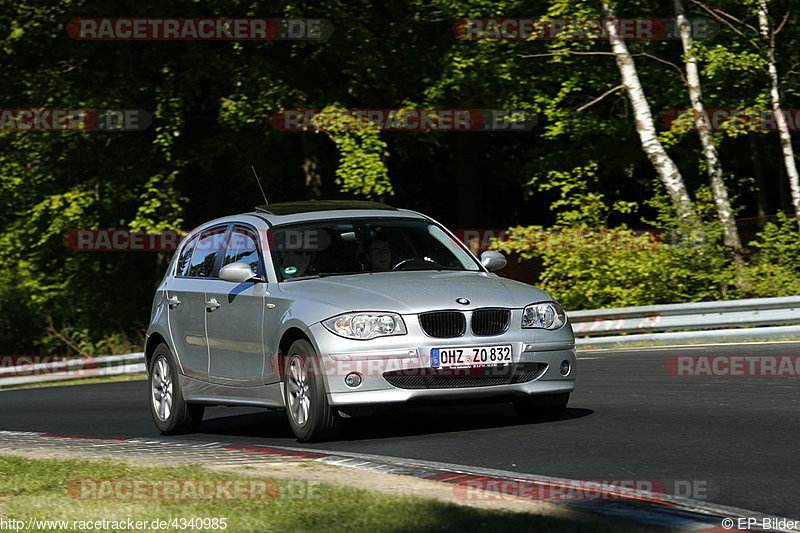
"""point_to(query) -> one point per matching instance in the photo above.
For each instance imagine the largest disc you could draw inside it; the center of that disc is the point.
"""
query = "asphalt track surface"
(734, 437)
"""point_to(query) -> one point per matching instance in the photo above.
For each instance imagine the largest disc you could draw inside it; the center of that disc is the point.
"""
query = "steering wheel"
(425, 262)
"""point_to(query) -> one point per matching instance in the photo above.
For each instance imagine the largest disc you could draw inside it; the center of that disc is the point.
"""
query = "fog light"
(565, 367)
(353, 379)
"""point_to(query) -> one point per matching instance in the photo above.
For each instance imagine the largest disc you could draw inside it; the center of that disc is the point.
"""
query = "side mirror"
(492, 260)
(238, 273)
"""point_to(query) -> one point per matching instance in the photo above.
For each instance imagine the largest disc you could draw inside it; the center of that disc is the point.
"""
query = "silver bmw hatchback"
(337, 309)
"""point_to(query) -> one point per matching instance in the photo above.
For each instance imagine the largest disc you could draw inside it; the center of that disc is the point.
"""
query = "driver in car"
(379, 255)
(297, 263)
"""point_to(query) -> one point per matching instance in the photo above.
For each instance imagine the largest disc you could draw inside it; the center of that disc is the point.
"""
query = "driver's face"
(379, 255)
(299, 260)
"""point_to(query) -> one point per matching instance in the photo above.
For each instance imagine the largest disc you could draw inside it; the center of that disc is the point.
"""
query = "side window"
(243, 247)
(209, 245)
(182, 268)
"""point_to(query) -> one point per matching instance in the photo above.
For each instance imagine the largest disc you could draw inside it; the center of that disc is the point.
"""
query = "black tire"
(542, 408)
(179, 417)
(310, 416)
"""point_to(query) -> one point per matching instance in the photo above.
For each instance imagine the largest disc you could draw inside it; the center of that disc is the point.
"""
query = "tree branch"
(600, 53)
(728, 15)
(713, 13)
(591, 103)
(783, 22)
(566, 52)
(51, 329)
(670, 63)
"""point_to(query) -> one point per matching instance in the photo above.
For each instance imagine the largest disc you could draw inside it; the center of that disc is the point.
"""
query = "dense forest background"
(593, 161)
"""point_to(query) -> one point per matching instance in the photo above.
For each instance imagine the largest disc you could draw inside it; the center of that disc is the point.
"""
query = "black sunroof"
(293, 208)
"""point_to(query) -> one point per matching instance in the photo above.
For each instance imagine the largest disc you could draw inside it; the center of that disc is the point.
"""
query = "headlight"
(547, 315)
(364, 326)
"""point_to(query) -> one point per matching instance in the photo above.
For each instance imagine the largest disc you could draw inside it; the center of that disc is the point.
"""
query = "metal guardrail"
(756, 319)
(110, 365)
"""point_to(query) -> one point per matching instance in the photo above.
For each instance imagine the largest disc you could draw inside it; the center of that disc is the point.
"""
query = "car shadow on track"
(263, 424)
(417, 421)
(401, 422)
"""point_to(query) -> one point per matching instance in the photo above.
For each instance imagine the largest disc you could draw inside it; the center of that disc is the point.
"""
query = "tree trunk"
(768, 45)
(713, 163)
(313, 178)
(665, 167)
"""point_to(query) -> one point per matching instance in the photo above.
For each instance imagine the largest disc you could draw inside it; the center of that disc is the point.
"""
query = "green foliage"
(779, 244)
(774, 269)
(362, 168)
(159, 205)
(85, 342)
(589, 265)
(578, 206)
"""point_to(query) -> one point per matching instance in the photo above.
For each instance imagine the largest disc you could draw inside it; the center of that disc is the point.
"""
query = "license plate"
(470, 356)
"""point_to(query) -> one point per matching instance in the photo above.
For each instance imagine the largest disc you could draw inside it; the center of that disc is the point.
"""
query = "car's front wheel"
(542, 408)
(310, 415)
(171, 413)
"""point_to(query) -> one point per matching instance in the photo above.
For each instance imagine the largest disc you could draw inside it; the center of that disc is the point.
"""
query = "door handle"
(212, 304)
(173, 302)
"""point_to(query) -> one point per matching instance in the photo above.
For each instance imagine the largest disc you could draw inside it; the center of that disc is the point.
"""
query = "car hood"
(411, 292)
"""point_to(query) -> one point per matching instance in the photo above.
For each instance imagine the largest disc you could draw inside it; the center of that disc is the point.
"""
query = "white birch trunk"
(780, 119)
(665, 167)
(713, 163)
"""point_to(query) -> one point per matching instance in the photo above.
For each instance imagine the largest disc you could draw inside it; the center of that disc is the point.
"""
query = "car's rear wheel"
(542, 408)
(171, 413)
(310, 415)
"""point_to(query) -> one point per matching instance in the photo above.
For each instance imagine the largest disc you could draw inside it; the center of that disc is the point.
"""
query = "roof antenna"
(258, 180)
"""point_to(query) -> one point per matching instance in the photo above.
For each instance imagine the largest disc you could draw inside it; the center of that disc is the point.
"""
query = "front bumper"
(411, 352)
(400, 396)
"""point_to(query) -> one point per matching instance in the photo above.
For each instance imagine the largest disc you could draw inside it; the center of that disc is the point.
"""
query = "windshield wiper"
(327, 274)
(331, 274)
(438, 269)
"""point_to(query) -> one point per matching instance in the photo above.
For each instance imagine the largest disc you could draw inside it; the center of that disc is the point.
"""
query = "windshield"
(337, 247)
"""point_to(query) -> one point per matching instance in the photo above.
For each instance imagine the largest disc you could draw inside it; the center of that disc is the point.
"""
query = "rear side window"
(210, 245)
(243, 247)
(182, 268)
